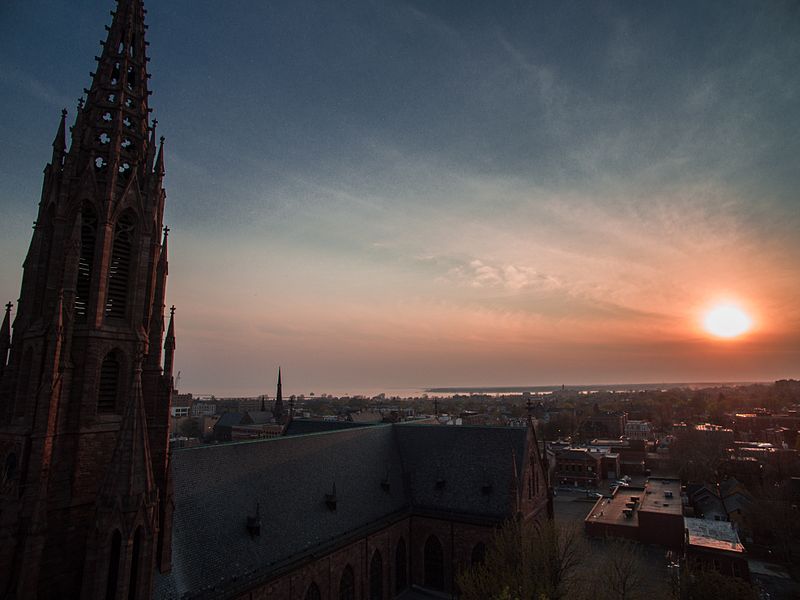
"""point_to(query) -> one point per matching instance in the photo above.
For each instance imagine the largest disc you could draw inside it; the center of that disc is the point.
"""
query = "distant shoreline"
(613, 387)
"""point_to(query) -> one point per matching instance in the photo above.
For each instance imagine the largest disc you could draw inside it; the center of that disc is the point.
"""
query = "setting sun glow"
(726, 321)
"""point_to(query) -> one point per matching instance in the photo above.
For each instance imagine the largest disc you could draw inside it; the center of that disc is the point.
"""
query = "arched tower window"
(10, 469)
(113, 566)
(137, 546)
(85, 261)
(108, 390)
(24, 383)
(119, 271)
(347, 585)
(434, 563)
(312, 593)
(45, 251)
(376, 577)
(478, 554)
(400, 569)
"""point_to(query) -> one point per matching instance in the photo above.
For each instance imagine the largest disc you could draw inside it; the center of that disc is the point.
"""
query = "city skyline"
(398, 195)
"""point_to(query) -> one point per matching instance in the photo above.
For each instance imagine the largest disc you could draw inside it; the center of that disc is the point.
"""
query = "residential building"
(578, 467)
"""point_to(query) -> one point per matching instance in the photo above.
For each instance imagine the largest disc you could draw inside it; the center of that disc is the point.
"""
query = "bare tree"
(526, 562)
(621, 572)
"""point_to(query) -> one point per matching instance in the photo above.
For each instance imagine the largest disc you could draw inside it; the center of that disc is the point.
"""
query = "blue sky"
(395, 194)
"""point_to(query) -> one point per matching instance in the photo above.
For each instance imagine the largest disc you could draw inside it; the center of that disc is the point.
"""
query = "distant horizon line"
(599, 386)
(399, 391)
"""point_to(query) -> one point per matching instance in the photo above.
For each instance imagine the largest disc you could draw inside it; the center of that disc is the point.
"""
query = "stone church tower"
(85, 486)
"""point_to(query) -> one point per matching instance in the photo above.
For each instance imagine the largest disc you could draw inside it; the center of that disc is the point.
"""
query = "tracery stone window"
(478, 554)
(137, 547)
(434, 563)
(347, 585)
(312, 593)
(376, 577)
(400, 569)
(85, 262)
(113, 566)
(119, 271)
(108, 389)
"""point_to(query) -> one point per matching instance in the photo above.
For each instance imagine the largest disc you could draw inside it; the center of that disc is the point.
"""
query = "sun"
(727, 321)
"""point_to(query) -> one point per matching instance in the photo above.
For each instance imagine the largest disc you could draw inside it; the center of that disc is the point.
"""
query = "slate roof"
(447, 467)
(217, 488)
(260, 417)
(229, 419)
(304, 426)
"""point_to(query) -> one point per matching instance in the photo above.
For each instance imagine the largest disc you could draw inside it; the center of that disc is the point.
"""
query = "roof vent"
(440, 483)
(486, 488)
(330, 499)
(254, 523)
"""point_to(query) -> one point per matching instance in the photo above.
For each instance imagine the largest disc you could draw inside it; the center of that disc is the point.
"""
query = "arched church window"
(376, 577)
(24, 382)
(137, 547)
(109, 383)
(312, 593)
(478, 554)
(113, 566)
(434, 563)
(401, 578)
(85, 262)
(119, 271)
(10, 468)
(347, 585)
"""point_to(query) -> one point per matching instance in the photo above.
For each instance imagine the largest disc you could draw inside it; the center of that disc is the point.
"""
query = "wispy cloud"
(479, 274)
(29, 85)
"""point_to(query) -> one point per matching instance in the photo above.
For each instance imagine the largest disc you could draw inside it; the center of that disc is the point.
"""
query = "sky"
(385, 194)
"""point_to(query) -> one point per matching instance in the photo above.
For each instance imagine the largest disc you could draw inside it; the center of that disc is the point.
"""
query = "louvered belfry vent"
(85, 262)
(119, 271)
(109, 384)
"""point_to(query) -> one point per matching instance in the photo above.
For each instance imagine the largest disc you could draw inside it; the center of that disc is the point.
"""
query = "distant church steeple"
(277, 409)
(83, 392)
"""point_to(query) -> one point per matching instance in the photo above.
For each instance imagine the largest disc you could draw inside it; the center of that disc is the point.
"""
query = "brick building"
(652, 514)
(604, 424)
(85, 390)
(578, 467)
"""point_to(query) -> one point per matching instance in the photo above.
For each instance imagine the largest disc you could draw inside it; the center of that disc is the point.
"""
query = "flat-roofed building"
(715, 544)
(652, 514)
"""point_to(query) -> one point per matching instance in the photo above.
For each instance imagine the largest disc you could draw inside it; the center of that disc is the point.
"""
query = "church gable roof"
(217, 489)
(462, 469)
(307, 493)
(305, 426)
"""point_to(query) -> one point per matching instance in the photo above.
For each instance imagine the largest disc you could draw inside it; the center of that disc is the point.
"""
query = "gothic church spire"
(277, 409)
(112, 127)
